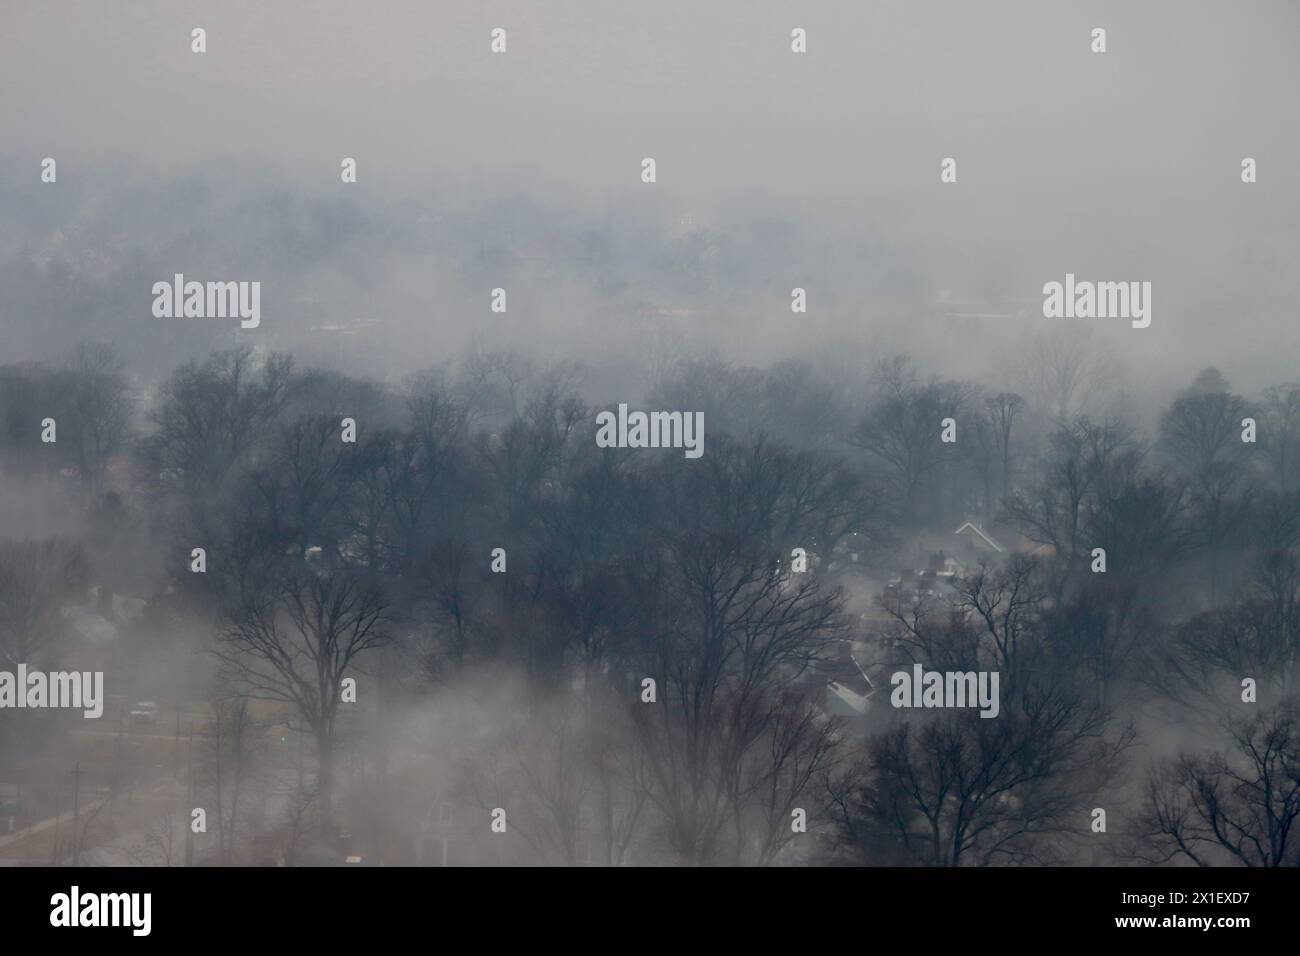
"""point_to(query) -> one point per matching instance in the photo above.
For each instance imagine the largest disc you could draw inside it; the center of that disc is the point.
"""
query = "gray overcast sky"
(1119, 166)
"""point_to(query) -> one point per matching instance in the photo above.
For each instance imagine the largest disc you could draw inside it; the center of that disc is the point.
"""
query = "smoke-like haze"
(521, 171)
(920, 471)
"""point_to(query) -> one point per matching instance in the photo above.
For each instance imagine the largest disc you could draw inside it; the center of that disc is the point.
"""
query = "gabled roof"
(979, 531)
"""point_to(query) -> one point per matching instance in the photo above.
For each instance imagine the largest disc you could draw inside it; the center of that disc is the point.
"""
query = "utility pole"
(76, 813)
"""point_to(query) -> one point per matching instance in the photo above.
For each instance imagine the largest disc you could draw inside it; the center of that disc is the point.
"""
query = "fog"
(522, 170)
(484, 686)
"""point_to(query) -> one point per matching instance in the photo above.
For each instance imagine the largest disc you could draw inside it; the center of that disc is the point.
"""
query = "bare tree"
(1201, 436)
(158, 842)
(902, 428)
(102, 410)
(37, 580)
(1066, 373)
(957, 790)
(1241, 806)
(1280, 433)
(1004, 411)
(542, 772)
(213, 417)
(230, 747)
(296, 638)
(1088, 462)
(1006, 604)
(727, 647)
(1257, 634)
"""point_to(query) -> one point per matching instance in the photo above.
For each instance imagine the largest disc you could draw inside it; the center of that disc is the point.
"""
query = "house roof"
(979, 531)
(855, 702)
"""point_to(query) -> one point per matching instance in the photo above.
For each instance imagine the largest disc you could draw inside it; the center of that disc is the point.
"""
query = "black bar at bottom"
(337, 905)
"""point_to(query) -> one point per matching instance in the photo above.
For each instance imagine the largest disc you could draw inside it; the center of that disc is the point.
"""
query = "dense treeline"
(376, 560)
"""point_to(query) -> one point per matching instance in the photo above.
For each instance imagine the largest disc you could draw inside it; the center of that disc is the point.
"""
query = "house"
(988, 540)
(839, 686)
(977, 540)
(847, 701)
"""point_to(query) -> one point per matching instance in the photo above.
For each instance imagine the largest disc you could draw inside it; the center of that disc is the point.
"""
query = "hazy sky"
(820, 170)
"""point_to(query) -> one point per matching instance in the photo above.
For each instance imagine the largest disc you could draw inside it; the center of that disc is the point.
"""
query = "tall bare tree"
(295, 638)
(102, 410)
(956, 789)
(1239, 806)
